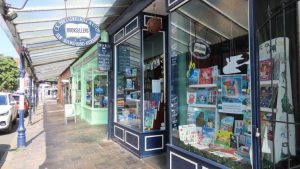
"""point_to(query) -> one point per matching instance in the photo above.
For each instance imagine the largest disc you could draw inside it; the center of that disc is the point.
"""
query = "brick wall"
(64, 76)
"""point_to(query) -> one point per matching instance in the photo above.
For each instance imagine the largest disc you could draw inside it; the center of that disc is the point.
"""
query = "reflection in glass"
(100, 91)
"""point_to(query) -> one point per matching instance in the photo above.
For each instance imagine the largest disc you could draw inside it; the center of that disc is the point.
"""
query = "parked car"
(8, 111)
(16, 96)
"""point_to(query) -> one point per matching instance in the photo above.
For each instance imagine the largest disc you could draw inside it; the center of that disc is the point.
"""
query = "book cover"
(227, 123)
(194, 76)
(232, 86)
(129, 84)
(268, 96)
(208, 133)
(188, 134)
(191, 97)
(134, 72)
(212, 96)
(202, 96)
(204, 117)
(148, 122)
(223, 138)
(266, 124)
(205, 76)
(265, 70)
(127, 72)
(247, 125)
(238, 126)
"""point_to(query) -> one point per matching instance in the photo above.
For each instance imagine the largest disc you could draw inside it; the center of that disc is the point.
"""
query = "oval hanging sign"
(76, 31)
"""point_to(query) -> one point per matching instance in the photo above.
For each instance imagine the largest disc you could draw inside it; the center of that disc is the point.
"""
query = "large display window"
(210, 76)
(128, 83)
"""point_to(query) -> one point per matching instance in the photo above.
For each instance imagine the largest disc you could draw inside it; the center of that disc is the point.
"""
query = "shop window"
(78, 89)
(100, 90)
(154, 71)
(89, 87)
(128, 82)
(279, 83)
(210, 82)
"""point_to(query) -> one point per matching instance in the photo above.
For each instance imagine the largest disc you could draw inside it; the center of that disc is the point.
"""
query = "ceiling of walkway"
(35, 21)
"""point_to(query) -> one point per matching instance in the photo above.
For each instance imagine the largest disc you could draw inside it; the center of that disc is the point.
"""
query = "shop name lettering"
(76, 31)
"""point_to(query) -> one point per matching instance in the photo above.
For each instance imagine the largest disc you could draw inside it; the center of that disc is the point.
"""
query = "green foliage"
(8, 73)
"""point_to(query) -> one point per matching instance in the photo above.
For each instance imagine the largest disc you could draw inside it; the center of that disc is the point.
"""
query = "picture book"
(129, 84)
(205, 76)
(194, 76)
(266, 119)
(227, 123)
(247, 125)
(190, 115)
(238, 126)
(134, 72)
(212, 96)
(231, 85)
(208, 133)
(204, 117)
(191, 97)
(265, 70)
(223, 138)
(268, 97)
(148, 122)
(202, 96)
(188, 134)
(127, 72)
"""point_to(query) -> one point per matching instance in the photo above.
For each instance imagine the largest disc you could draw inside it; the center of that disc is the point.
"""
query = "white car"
(8, 111)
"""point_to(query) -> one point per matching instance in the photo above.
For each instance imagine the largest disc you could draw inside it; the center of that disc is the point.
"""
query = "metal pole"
(254, 59)
(30, 100)
(21, 128)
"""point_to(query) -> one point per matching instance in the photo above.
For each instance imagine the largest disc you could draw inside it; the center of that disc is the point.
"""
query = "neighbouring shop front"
(89, 88)
(140, 116)
(233, 84)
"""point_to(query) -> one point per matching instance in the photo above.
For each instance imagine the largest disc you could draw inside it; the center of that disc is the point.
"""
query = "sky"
(6, 47)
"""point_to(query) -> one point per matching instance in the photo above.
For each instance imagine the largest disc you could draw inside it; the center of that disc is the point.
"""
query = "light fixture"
(11, 15)
(154, 23)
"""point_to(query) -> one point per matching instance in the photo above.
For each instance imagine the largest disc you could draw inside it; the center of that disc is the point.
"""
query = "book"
(188, 134)
(191, 97)
(223, 138)
(202, 96)
(129, 84)
(205, 75)
(238, 126)
(268, 96)
(247, 125)
(266, 124)
(212, 96)
(203, 117)
(127, 72)
(231, 86)
(265, 70)
(194, 76)
(208, 135)
(227, 123)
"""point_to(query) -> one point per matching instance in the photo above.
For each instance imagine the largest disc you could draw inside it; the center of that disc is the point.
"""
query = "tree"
(9, 72)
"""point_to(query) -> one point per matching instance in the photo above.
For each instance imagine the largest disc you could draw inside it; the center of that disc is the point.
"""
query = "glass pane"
(210, 96)
(154, 91)
(279, 85)
(89, 86)
(128, 82)
(100, 90)
(78, 89)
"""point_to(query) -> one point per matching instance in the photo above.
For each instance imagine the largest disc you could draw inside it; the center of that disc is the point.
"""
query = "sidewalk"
(53, 145)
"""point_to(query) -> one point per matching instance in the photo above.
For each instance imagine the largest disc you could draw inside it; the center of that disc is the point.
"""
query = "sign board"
(76, 31)
(104, 55)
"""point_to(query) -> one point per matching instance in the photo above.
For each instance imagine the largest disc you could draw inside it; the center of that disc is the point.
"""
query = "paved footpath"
(53, 145)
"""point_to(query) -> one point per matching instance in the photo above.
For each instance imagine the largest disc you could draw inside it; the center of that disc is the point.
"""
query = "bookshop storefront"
(89, 89)
(139, 122)
(233, 84)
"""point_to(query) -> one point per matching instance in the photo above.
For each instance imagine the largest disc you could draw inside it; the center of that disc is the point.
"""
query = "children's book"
(127, 72)
(231, 86)
(188, 134)
(265, 70)
(227, 123)
(191, 97)
(204, 117)
(129, 84)
(266, 119)
(267, 98)
(202, 96)
(247, 126)
(208, 135)
(205, 76)
(238, 126)
(194, 76)
(223, 138)
(212, 96)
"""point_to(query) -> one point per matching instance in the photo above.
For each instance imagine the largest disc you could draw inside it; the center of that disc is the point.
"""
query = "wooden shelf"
(268, 82)
(203, 86)
(203, 105)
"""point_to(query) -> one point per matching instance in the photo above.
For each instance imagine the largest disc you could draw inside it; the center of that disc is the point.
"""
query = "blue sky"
(6, 47)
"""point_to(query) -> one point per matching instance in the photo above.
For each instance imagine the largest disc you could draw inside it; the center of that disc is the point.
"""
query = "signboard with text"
(104, 56)
(76, 31)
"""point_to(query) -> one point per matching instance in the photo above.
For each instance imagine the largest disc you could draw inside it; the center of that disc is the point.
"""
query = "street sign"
(76, 31)
(104, 56)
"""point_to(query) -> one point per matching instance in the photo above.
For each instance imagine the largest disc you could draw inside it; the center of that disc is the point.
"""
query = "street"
(5, 141)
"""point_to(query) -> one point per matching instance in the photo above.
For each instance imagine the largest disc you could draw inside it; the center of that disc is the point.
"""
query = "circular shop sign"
(200, 49)
(76, 31)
